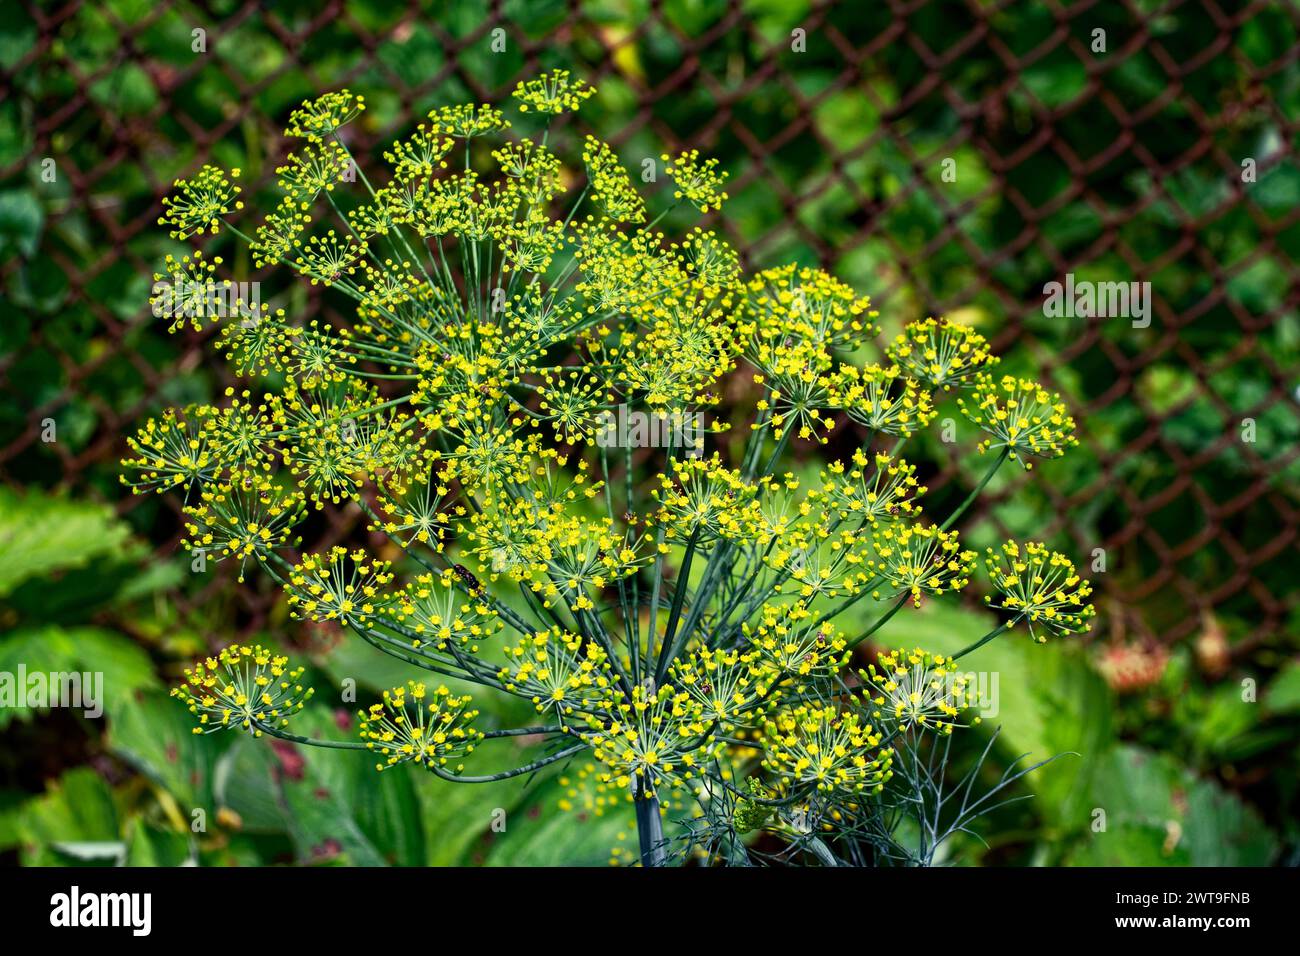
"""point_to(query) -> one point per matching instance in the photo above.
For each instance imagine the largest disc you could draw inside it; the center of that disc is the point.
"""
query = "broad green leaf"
(40, 533)
(1200, 823)
(540, 834)
(333, 803)
(123, 667)
(1283, 694)
(78, 808)
(154, 734)
(1129, 844)
(150, 846)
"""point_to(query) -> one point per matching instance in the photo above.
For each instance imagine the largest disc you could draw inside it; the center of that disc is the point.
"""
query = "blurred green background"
(1118, 163)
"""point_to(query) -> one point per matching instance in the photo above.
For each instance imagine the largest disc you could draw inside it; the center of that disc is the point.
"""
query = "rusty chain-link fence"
(946, 157)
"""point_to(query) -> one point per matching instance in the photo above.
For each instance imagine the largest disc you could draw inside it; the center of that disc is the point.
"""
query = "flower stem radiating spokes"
(506, 309)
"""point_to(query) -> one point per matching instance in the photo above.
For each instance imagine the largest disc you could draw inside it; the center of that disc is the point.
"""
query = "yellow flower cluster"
(1020, 416)
(610, 183)
(650, 735)
(246, 517)
(347, 587)
(552, 93)
(883, 399)
(942, 352)
(560, 672)
(873, 490)
(1040, 587)
(917, 559)
(696, 180)
(325, 115)
(200, 203)
(790, 644)
(430, 728)
(244, 686)
(433, 612)
(915, 688)
(826, 747)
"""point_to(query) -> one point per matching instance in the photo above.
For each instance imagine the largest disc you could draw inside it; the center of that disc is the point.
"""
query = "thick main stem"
(650, 828)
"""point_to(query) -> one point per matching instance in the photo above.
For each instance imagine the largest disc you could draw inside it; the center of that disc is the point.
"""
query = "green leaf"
(77, 809)
(1224, 718)
(44, 533)
(538, 833)
(1198, 822)
(150, 846)
(1129, 844)
(1283, 693)
(124, 666)
(21, 219)
(333, 803)
(154, 734)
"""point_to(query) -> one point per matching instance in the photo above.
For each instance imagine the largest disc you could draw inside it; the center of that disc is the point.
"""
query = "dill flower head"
(653, 735)
(552, 93)
(245, 517)
(429, 728)
(186, 291)
(870, 490)
(347, 587)
(170, 452)
(466, 121)
(423, 153)
(790, 304)
(576, 403)
(314, 169)
(1041, 587)
(826, 748)
(916, 689)
(883, 399)
(325, 115)
(611, 186)
(703, 500)
(710, 259)
(799, 397)
(559, 671)
(431, 610)
(942, 352)
(820, 561)
(722, 683)
(1020, 416)
(696, 180)
(921, 558)
(418, 511)
(788, 642)
(244, 686)
(197, 205)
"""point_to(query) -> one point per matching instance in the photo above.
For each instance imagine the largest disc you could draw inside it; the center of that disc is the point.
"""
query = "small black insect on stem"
(467, 577)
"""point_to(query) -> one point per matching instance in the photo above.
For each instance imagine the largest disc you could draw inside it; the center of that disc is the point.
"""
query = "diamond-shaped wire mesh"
(946, 157)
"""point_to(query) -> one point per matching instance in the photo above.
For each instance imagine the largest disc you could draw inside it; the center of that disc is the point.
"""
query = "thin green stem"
(983, 640)
(975, 493)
